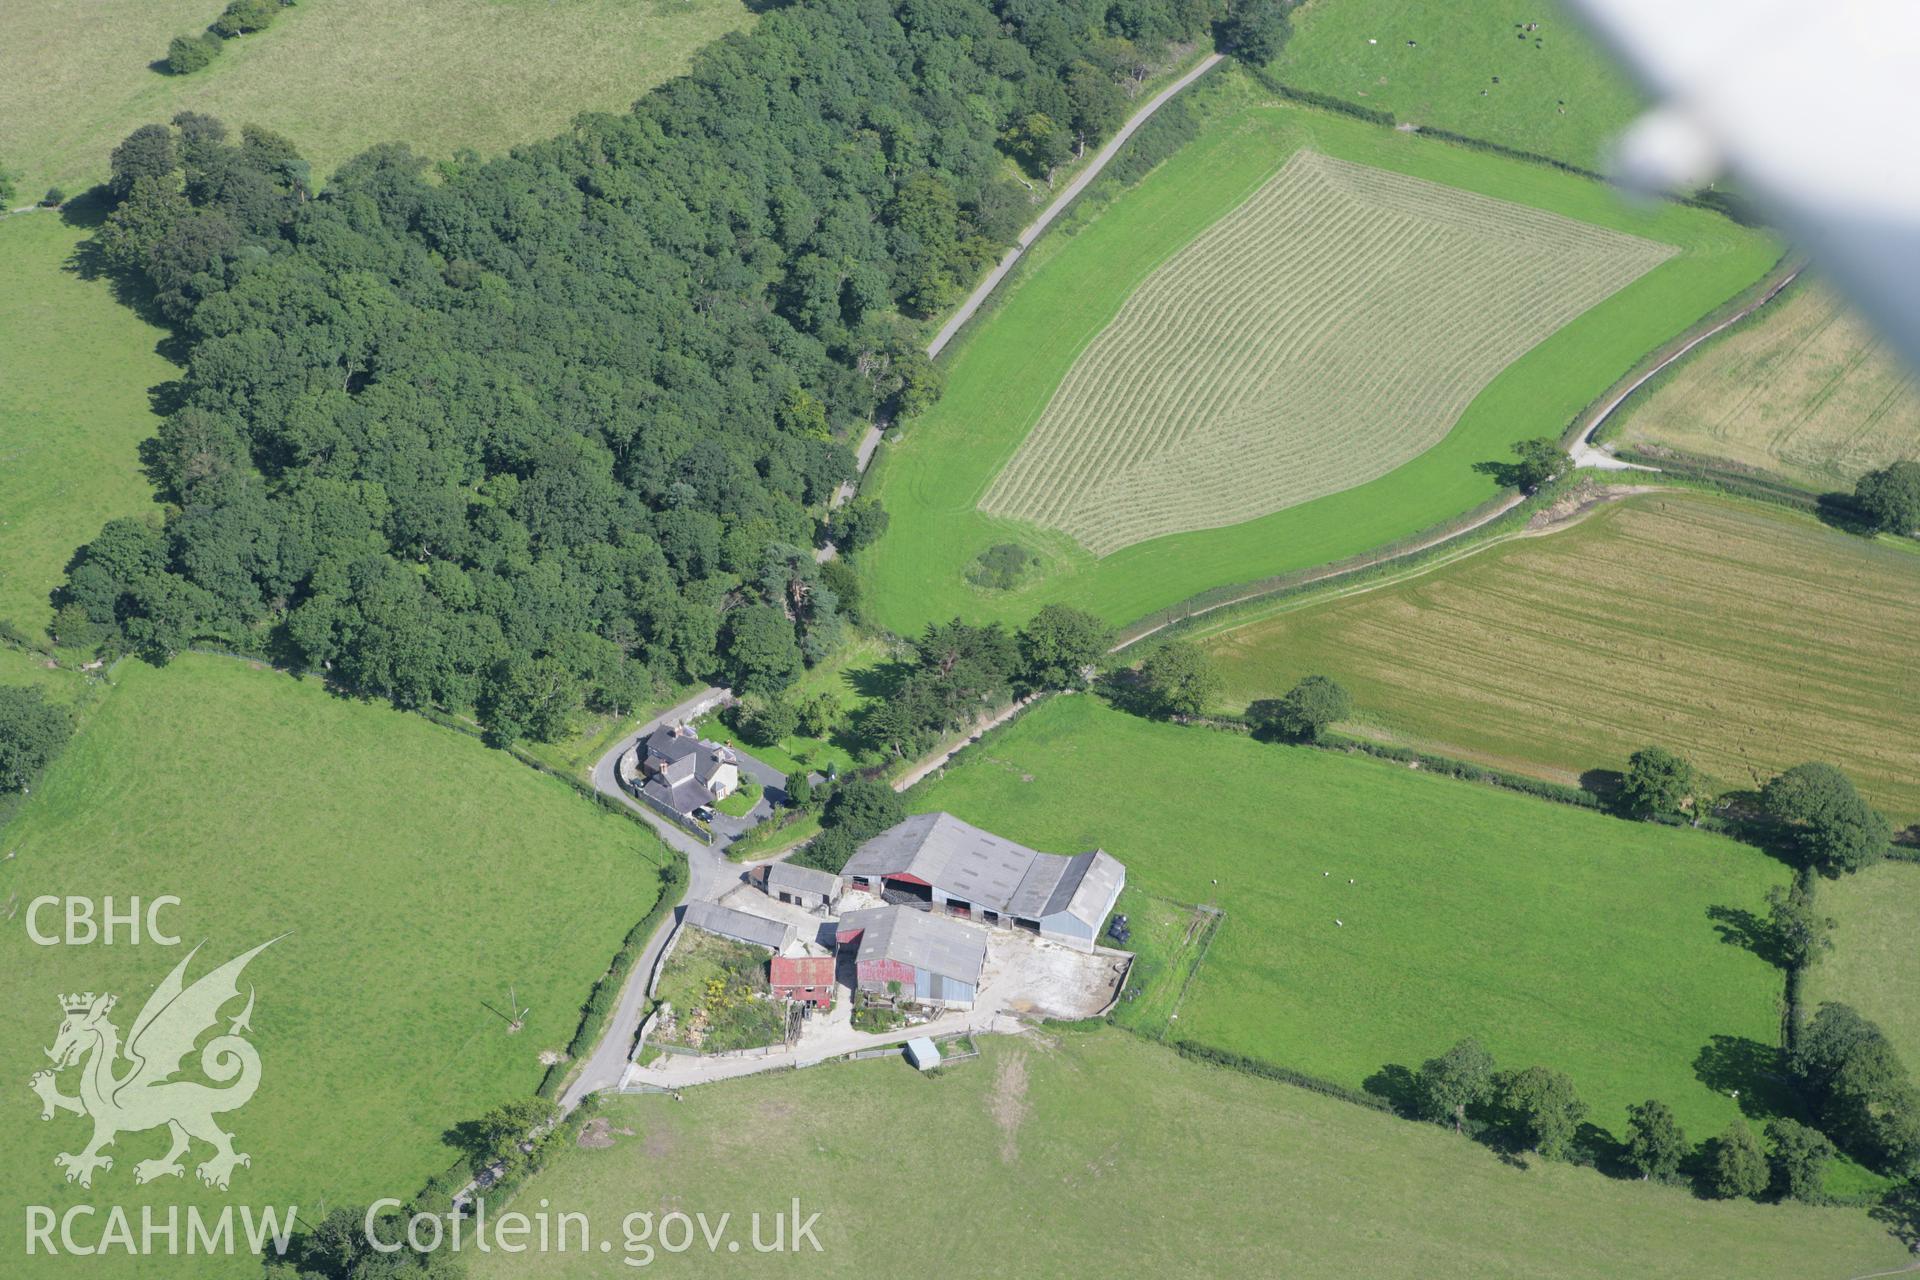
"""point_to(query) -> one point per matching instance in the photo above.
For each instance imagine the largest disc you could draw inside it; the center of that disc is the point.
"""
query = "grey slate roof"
(681, 797)
(989, 871)
(678, 756)
(784, 875)
(739, 925)
(921, 939)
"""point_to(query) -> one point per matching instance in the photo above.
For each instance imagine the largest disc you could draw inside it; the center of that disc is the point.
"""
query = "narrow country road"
(1061, 201)
(863, 453)
(708, 876)
(1586, 454)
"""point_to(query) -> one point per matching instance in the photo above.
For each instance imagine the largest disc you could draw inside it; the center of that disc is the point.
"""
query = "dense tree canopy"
(1658, 781)
(1890, 497)
(32, 732)
(1836, 829)
(600, 388)
(1655, 1142)
(1858, 1088)
(1737, 1166)
(1540, 1109)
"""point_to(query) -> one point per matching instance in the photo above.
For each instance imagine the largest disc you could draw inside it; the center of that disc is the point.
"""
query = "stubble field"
(1745, 638)
(1804, 389)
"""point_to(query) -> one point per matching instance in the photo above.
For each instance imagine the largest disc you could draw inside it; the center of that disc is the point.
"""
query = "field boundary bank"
(1728, 207)
(1487, 513)
(1727, 316)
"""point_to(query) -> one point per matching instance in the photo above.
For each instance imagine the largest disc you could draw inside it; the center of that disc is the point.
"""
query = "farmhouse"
(681, 770)
(974, 874)
(800, 886)
(740, 926)
(933, 958)
(802, 972)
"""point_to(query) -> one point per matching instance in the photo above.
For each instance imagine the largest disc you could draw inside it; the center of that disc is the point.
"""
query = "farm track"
(1809, 393)
(1256, 352)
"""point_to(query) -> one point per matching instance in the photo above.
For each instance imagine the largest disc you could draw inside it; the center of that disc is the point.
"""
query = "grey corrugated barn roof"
(990, 871)
(784, 875)
(921, 939)
(738, 925)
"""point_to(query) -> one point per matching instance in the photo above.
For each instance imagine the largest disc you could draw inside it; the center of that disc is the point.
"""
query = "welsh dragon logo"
(145, 1095)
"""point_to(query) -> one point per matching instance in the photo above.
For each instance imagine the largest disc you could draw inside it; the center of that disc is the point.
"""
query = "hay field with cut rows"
(1331, 328)
(1004, 370)
(1743, 637)
(1804, 389)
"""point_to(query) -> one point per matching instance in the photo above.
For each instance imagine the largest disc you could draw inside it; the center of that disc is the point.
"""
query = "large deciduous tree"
(1835, 828)
(1890, 497)
(1305, 712)
(32, 732)
(1461, 1077)
(1180, 679)
(1541, 1110)
(1655, 1143)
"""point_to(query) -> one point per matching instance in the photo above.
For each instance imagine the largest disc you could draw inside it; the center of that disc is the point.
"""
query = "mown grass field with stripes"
(1005, 371)
(1804, 389)
(1244, 375)
(1745, 638)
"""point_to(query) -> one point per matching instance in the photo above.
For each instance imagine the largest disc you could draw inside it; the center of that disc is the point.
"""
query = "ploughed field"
(1743, 637)
(1246, 374)
(1375, 915)
(1803, 389)
(419, 877)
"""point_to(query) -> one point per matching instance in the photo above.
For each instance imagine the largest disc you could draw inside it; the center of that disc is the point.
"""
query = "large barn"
(934, 959)
(977, 875)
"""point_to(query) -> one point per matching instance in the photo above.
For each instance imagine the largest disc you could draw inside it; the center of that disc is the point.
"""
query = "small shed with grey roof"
(941, 860)
(741, 926)
(932, 958)
(801, 886)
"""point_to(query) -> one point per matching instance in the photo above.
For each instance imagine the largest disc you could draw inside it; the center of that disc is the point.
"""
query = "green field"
(1244, 375)
(1743, 637)
(1871, 965)
(1097, 1154)
(1558, 93)
(336, 76)
(1004, 371)
(420, 875)
(1556, 935)
(73, 410)
(1804, 390)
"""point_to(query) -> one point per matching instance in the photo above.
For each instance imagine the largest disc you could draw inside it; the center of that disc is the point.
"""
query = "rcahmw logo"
(133, 1086)
(145, 1095)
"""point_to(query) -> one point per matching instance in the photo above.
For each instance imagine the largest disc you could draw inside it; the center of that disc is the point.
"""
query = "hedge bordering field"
(593, 1013)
